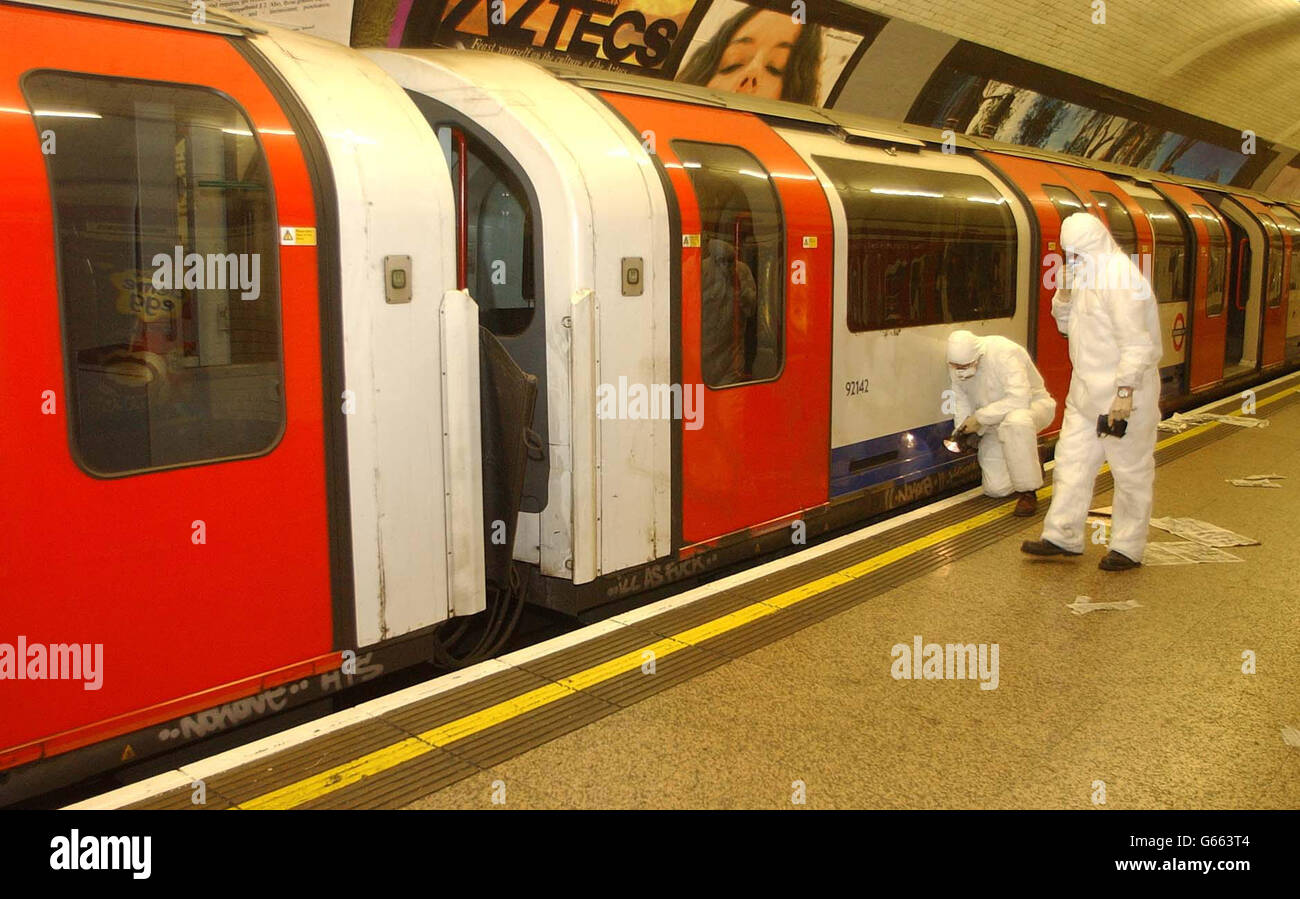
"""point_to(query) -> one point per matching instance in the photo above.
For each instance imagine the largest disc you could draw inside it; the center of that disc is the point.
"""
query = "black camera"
(1105, 429)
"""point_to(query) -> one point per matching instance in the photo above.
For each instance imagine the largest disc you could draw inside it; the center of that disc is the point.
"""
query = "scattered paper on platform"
(1082, 605)
(1185, 553)
(1291, 736)
(1253, 482)
(1202, 532)
(1182, 421)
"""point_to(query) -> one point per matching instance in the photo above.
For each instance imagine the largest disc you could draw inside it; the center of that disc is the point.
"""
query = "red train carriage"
(237, 495)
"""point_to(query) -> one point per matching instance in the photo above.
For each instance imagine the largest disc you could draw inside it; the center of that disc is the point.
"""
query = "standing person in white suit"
(999, 395)
(1108, 313)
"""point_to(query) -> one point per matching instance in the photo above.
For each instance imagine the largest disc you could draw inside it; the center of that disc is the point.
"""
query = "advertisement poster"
(742, 48)
(330, 19)
(640, 36)
(792, 51)
(1018, 115)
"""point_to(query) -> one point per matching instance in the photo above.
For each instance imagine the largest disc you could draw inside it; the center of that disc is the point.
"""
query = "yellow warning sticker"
(810, 243)
(690, 240)
(298, 237)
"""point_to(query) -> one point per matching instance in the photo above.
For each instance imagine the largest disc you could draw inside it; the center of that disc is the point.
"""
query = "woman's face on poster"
(755, 60)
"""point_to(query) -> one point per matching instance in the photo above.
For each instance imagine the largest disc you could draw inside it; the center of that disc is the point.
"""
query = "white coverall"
(1011, 405)
(1111, 321)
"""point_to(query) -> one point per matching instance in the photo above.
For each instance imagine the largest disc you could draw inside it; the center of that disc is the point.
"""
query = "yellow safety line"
(383, 759)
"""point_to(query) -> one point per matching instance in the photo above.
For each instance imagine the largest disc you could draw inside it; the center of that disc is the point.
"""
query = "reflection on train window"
(742, 253)
(1276, 261)
(1118, 220)
(924, 247)
(495, 256)
(1170, 259)
(168, 271)
(1217, 287)
(1066, 203)
(1291, 225)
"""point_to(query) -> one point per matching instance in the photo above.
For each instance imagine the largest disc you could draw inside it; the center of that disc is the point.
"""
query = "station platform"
(778, 684)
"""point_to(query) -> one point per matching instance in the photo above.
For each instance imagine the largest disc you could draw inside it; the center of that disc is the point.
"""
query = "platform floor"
(776, 684)
(1151, 701)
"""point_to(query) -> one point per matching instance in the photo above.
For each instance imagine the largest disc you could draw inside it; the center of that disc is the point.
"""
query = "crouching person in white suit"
(999, 395)
(1108, 313)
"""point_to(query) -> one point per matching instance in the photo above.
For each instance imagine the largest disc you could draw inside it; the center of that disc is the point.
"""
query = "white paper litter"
(1082, 605)
(1252, 482)
(1291, 736)
(1182, 421)
(1185, 553)
(1202, 532)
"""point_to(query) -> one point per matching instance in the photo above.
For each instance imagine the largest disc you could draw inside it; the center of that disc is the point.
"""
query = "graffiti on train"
(269, 701)
(658, 574)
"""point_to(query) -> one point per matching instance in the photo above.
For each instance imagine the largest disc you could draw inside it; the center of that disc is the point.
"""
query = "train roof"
(854, 127)
(172, 13)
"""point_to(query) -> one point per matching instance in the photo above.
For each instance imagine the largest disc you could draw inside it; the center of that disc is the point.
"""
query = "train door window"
(1169, 265)
(494, 234)
(167, 246)
(1066, 203)
(1217, 287)
(1291, 225)
(924, 247)
(1118, 220)
(1276, 262)
(742, 264)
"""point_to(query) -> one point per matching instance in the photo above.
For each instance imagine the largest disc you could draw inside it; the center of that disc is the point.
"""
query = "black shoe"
(1045, 548)
(1026, 505)
(1117, 562)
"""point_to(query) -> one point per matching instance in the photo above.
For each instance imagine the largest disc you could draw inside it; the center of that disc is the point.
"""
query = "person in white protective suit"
(1107, 311)
(999, 395)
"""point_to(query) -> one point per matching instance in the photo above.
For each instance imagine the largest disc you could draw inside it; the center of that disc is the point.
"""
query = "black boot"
(1026, 505)
(1117, 562)
(1045, 548)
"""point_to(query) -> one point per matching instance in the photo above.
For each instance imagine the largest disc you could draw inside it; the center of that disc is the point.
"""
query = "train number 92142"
(854, 388)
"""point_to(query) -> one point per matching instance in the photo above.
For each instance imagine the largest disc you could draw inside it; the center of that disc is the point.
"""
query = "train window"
(1217, 287)
(1064, 200)
(1118, 220)
(167, 248)
(1290, 224)
(925, 247)
(1169, 265)
(1276, 261)
(742, 264)
(495, 256)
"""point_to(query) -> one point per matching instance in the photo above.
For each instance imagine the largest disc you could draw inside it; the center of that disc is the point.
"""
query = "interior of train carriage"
(500, 253)
(1247, 290)
(1289, 222)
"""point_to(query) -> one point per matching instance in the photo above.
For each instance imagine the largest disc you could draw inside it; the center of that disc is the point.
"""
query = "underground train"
(327, 360)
